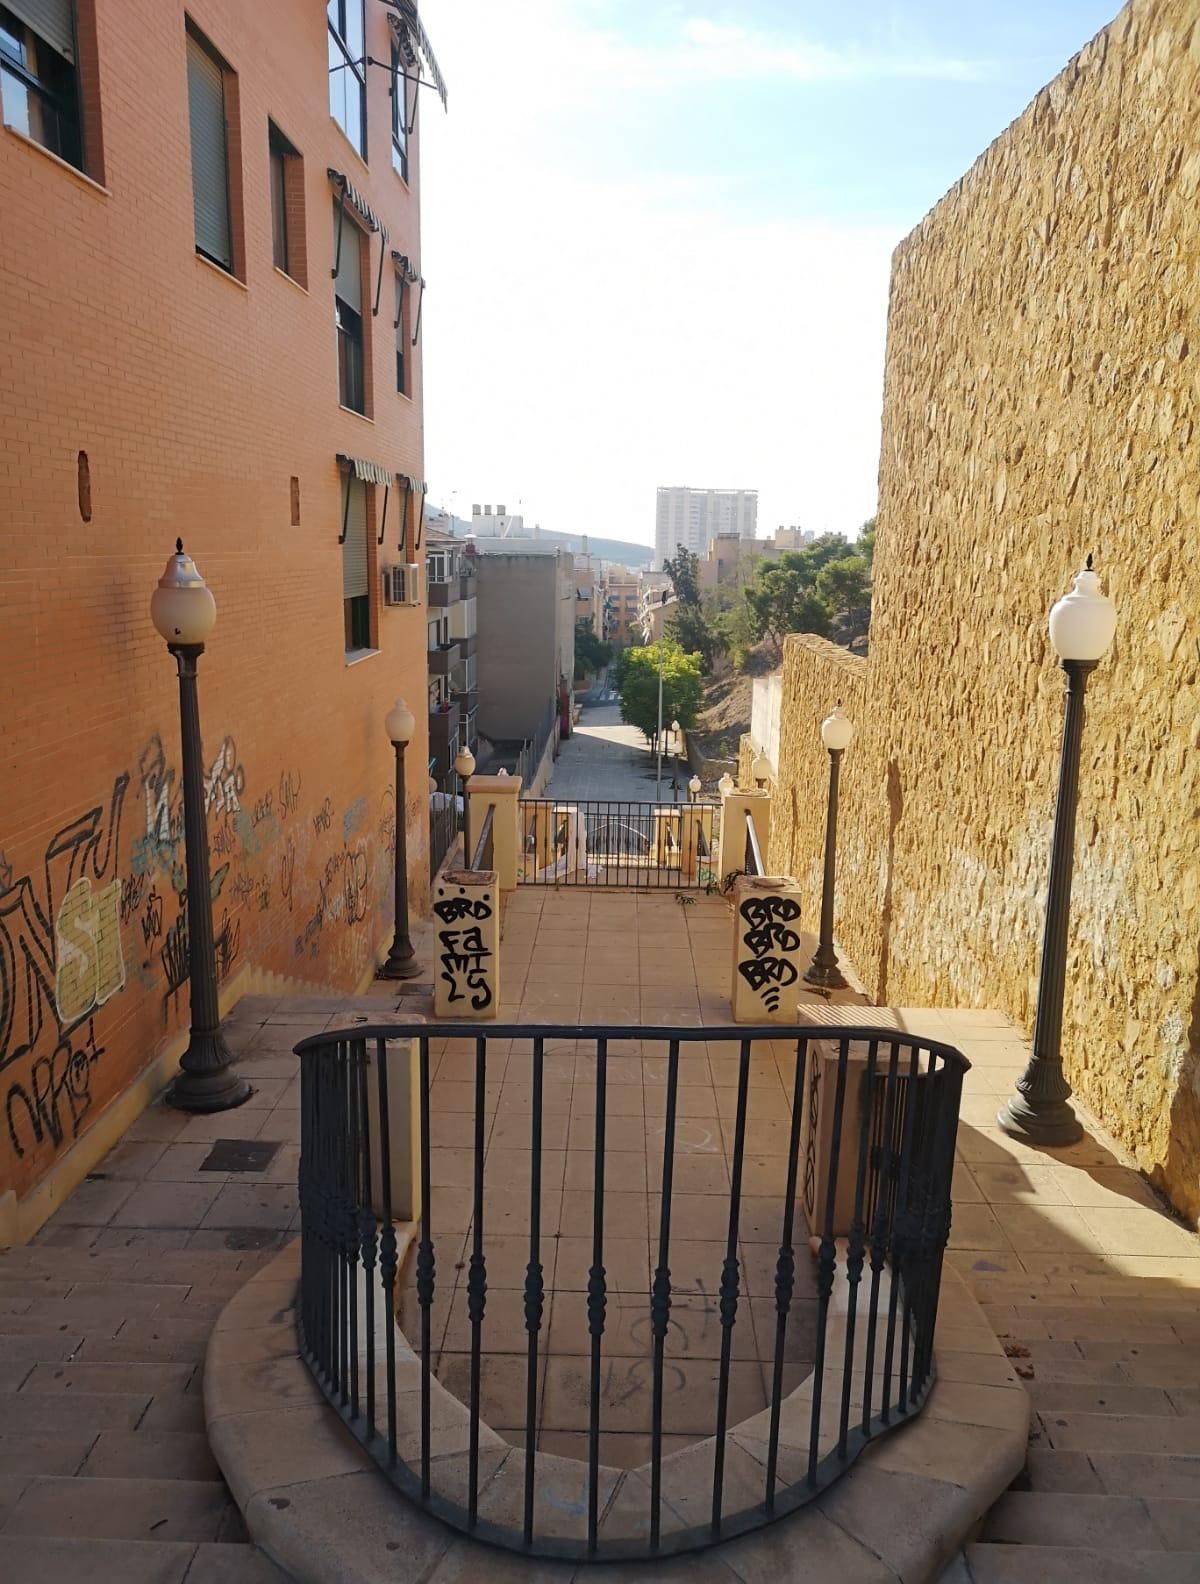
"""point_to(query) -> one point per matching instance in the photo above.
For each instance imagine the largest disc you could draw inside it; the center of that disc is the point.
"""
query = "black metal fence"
(599, 842)
(842, 1341)
(445, 822)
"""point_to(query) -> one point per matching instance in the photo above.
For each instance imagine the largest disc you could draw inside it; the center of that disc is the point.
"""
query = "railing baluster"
(426, 1265)
(343, 1167)
(351, 1221)
(367, 1230)
(477, 1279)
(534, 1286)
(388, 1246)
(900, 1225)
(880, 1220)
(856, 1242)
(827, 1259)
(729, 1285)
(660, 1297)
(597, 1289)
(785, 1268)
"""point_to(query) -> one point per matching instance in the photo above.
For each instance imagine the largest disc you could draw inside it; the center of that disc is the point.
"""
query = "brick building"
(210, 277)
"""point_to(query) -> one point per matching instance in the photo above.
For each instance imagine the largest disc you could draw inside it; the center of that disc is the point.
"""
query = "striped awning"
(406, 25)
(368, 472)
(355, 199)
(415, 486)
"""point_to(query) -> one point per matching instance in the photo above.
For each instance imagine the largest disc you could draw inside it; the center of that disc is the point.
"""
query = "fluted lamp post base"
(400, 964)
(207, 1080)
(1039, 1113)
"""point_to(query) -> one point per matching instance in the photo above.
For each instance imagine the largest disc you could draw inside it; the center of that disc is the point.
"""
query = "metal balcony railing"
(839, 1343)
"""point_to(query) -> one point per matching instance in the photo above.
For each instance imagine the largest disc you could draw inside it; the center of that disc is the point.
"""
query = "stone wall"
(1041, 393)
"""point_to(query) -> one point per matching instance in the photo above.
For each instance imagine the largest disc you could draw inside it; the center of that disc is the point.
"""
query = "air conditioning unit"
(402, 584)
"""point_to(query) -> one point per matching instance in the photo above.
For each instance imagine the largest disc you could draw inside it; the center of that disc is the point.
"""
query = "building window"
(356, 570)
(207, 119)
(401, 318)
(39, 88)
(287, 205)
(348, 70)
(348, 306)
(399, 114)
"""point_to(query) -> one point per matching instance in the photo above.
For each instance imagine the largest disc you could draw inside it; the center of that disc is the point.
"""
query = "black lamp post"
(401, 961)
(675, 734)
(823, 971)
(1082, 625)
(183, 610)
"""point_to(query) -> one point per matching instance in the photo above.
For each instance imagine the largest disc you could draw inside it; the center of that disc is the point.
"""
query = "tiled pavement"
(104, 1468)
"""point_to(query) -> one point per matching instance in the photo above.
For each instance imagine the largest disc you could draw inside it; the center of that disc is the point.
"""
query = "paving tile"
(89, 1378)
(42, 1453)
(159, 1204)
(149, 1454)
(257, 1204)
(233, 1564)
(108, 1509)
(58, 1560)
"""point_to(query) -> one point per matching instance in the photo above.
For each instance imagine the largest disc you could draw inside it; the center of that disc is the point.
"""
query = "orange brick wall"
(196, 399)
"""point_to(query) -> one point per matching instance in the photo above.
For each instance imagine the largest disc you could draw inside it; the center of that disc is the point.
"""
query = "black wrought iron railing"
(445, 821)
(483, 852)
(599, 842)
(762, 1281)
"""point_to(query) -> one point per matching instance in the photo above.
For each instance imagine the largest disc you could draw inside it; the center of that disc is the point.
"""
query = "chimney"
(501, 511)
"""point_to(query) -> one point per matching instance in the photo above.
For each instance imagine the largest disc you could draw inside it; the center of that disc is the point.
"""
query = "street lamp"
(694, 788)
(823, 971)
(675, 732)
(726, 785)
(183, 610)
(401, 961)
(464, 769)
(761, 770)
(1082, 625)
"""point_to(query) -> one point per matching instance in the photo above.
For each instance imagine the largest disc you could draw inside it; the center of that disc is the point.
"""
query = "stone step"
(1101, 1432)
(158, 1510)
(44, 1560)
(1122, 1473)
(153, 1379)
(1009, 1564)
(150, 1454)
(1108, 1521)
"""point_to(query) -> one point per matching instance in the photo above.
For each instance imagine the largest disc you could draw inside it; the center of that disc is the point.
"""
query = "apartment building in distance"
(690, 518)
(527, 597)
(619, 594)
(212, 294)
(452, 628)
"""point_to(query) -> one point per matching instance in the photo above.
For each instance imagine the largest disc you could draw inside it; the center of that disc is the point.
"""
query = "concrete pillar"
(466, 944)
(404, 1124)
(503, 794)
(767, 954)
(734, 808)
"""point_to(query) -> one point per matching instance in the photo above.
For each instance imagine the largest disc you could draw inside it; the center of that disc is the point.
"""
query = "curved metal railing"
(849, 1130)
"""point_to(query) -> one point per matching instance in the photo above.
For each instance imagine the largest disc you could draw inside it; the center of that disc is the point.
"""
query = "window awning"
(410, 34)
(355, 199)
(368, 472)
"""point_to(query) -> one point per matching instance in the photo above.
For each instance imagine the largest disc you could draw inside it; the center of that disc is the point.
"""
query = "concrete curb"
(316, 1503)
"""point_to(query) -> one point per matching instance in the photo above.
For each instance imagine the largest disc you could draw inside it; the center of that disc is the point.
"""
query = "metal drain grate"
(239, 1155)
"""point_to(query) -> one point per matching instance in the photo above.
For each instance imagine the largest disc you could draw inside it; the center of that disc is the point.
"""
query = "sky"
(657, 236)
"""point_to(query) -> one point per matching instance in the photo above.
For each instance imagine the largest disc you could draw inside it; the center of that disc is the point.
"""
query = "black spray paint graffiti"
(58, 1094)
(152, 918)
(766, 934)
(347, 902)
(465, 954)
(323, 818)
(133, 889)
(60, 958)
(36, 960)
(289, 793)
(287, 871)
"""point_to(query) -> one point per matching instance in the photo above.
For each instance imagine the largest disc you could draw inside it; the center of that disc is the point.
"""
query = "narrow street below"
(604, 758)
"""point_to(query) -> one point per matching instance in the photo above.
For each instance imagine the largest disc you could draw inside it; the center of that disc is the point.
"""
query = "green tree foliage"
(592, 654)
(807, 591)
(845, 587)
(865, 543)
(637, 684)
(683, 568)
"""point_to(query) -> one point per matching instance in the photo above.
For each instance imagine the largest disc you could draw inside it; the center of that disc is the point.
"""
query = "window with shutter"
(39, 86)
(347, 300)
(287, 205)
(356, 597)
(401, 327)
(210, 163)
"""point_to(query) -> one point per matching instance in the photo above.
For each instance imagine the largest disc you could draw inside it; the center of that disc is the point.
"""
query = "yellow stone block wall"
(1042, 390)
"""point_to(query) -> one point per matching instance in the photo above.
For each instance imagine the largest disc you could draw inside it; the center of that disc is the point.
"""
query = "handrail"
(873, 1204)
(481, 858)
(754, 861)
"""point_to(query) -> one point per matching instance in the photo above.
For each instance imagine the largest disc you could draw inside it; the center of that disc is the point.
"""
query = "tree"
(845, 587)
(691, 629)
(865, 543)
(592, 654)
(783, 600)
(684, 571)
(637, 685)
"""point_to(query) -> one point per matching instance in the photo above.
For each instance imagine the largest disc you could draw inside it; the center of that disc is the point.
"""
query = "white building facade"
(689, 518)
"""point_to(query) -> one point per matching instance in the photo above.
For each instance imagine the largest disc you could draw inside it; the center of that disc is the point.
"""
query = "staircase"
(105, 1471)
(1111, 1489)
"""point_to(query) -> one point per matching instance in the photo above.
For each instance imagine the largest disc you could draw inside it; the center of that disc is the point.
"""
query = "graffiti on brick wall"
(60, 959)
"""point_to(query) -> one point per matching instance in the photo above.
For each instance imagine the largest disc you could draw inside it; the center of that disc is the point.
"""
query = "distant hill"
(619, 550)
